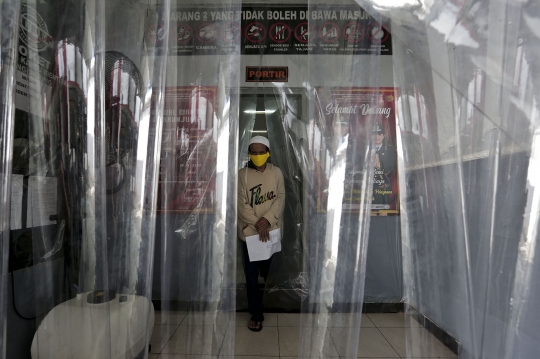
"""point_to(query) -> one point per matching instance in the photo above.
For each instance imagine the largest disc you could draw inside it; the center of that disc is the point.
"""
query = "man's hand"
(262, 223)
(264, 235)
(262, 226)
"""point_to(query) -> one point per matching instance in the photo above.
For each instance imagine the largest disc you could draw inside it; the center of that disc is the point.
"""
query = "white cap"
(261, 140)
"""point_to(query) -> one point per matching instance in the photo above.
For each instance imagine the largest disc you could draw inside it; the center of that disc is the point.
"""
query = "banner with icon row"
(270, 30)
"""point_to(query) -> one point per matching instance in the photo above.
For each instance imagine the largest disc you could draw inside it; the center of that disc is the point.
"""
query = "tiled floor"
(197, 336)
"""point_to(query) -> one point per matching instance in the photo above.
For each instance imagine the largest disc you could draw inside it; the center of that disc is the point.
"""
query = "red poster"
(188, 150)
(356, 116)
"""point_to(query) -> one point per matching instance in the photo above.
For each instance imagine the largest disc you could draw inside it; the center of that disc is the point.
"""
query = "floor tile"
(195, 340)
(160, 336)
(299, 319)
(289, 319)
(229, 345)
(372, 343)
(290, 342)
(332, 320)
(263, 343)
(270, 319)
(416, 342)
(346, 320)
(168, 317)
(366, 322)
(205, 318)
(393, 320)
(184, 356)
(399, 335)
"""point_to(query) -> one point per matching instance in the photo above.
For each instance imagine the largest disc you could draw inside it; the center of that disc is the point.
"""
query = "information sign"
(271, 30)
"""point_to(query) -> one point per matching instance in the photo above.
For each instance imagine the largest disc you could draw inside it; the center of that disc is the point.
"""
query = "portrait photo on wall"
(357, 119)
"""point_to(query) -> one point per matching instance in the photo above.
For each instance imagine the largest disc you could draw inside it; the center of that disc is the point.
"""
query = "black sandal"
(255, 329)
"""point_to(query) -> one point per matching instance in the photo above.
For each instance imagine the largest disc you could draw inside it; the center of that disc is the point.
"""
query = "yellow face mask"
(259, 160)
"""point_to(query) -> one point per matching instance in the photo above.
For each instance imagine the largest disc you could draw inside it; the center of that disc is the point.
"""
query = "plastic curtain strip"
(350, 118)
(468, 131)
(88, 118)
(320, 123)
(109, 153)
(319, 138)
(195, 259)
(8, 28)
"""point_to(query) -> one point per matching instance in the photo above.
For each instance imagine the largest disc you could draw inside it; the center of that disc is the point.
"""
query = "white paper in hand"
(260, 251)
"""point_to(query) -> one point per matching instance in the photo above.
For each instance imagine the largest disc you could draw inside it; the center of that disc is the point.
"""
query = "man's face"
(257, 149)
(377, 138)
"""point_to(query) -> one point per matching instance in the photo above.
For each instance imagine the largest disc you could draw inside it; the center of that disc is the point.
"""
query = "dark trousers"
(252, 271)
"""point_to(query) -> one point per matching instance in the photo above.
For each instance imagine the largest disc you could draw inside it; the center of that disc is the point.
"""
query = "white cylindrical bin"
(116, 329)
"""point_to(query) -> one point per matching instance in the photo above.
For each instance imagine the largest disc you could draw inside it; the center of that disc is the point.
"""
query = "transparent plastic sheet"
(195, 259)
(197, 265)
(8, 30)
(89, 87)
(347, 105)
(468, 136)
(320, 128)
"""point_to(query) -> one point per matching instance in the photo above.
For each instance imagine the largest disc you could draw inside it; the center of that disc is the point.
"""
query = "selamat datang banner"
(348, 113)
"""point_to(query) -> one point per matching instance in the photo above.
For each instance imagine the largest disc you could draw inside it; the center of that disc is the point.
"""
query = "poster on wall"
(349, 112)
(188, 150)
(269, 30)
(35, 60)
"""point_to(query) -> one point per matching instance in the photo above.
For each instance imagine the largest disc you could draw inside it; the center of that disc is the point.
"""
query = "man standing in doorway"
(261, 200)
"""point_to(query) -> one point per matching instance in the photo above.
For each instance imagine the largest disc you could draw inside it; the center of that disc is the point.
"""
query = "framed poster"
(355, 116)
(188, 150)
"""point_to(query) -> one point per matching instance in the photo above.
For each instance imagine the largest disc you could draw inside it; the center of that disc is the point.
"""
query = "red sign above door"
(267, 74)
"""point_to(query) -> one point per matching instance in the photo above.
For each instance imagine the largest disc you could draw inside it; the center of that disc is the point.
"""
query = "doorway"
(280, 117)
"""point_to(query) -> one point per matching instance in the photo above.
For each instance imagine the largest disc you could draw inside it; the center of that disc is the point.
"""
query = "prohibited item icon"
(329, 32)
(207, 33)
(353, 32)
(377, 33)
(184, 33)
(156, 34)
(280, 32)
(255, 32)
(304, 32)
